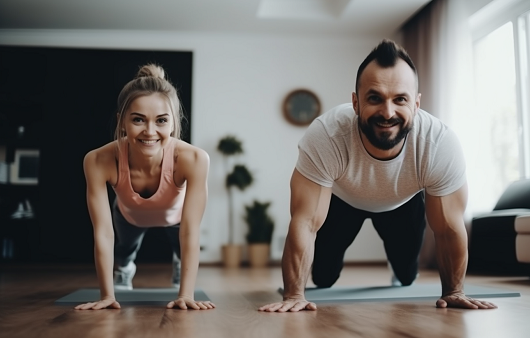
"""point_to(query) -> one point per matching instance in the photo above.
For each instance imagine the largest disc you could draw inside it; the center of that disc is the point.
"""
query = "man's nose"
(387, 111)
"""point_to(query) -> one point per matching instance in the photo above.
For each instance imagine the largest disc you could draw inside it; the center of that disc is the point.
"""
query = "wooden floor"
(27, 295)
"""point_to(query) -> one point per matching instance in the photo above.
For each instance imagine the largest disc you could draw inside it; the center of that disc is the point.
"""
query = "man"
(382, 158)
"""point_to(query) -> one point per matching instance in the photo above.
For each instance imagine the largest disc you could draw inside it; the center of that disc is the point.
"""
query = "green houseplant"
(238, 176)
(259, 236)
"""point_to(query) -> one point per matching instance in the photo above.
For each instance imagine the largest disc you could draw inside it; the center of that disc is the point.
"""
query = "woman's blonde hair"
(150, 79)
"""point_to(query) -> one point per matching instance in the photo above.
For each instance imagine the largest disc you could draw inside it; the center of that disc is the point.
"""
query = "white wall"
(239, 82)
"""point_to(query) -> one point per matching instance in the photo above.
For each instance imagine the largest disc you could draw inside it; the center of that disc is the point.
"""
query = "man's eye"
(373, 98)
(401, 99)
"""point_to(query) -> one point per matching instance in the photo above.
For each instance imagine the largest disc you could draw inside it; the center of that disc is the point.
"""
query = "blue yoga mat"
(155, 296)
(337, 294)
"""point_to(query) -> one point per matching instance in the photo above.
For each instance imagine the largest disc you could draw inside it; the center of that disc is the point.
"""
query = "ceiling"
(306, 17)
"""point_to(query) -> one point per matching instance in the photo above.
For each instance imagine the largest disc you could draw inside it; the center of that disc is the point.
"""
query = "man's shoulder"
(338, 119)
(428, 127)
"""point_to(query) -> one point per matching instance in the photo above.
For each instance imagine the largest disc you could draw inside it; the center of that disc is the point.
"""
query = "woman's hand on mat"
(289, 305)
(185, 303)
(101, 304)
(460, 300)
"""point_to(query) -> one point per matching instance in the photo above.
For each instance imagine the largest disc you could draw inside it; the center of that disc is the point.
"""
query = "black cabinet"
(19, 226)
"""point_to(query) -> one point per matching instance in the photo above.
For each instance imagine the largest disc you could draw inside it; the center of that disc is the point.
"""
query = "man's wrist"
(293, 297)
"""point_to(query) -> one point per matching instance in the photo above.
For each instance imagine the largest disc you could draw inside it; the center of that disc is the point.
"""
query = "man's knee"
(324, 280)
(408, 279)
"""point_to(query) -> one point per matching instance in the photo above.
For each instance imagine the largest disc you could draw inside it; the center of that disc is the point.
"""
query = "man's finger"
(265, 307)
(274, 307)
(311, 306)
(441, 303)
(286, 307)
(483, 305)
(298, 306)
(490, 305)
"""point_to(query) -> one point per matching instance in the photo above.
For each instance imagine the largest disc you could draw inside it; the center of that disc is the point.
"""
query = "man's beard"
(382, 140)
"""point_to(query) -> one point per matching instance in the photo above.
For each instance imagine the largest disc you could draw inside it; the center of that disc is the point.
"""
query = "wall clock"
(301, 107)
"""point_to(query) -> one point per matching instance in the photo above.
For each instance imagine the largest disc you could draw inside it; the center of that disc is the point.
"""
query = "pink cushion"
(522, 224)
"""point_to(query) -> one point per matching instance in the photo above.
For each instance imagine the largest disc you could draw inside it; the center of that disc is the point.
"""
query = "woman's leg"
(173, 234)
(127, 243)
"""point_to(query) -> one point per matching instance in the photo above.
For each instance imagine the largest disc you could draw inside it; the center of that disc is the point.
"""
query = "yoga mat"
(338, 294)
(155, 296)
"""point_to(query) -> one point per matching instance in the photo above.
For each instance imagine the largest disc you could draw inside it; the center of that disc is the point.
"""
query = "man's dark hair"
(386, 55)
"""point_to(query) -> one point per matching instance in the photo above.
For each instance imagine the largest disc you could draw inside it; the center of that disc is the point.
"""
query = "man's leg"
(340, 228)
(402, 233)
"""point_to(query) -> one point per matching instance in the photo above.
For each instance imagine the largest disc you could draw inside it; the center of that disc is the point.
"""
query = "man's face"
(386, 104)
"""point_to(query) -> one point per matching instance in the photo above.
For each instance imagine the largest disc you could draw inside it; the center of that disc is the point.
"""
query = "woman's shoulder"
(186, 153)
(103, 156)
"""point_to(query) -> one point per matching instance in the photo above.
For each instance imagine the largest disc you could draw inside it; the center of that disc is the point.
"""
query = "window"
(501, 92)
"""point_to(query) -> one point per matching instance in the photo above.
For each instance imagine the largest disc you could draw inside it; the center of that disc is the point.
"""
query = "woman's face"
(148, 123)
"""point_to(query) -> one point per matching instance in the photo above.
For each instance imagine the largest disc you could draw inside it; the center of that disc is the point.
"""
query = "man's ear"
(418, 98)
(355, 102)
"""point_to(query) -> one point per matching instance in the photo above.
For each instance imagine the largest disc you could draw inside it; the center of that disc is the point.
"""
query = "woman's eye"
(137, 120)
(162, 120)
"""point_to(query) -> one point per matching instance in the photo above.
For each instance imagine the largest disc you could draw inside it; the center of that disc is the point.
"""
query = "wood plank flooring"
(28, 292)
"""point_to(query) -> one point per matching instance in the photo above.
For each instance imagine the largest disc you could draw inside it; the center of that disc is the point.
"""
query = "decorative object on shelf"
(259, 236)
(238, 176)
(25, 167)
(301, 107)
(24, 211)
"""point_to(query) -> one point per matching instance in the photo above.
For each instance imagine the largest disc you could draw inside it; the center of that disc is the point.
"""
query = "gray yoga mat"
(338, 294)
(155, 296)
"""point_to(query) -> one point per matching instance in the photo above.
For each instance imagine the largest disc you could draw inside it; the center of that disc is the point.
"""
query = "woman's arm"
(194, 164)
(99, 210)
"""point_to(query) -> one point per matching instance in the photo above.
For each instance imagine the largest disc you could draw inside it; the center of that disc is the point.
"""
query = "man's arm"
(445, 215)
(309, 207)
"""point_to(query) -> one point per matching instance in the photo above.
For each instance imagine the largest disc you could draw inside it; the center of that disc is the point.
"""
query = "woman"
(159, 181)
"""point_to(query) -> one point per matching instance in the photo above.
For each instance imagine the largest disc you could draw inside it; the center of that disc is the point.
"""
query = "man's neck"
(379, 154)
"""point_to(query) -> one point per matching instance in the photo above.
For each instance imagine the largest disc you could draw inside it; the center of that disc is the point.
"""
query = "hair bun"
(151, 70)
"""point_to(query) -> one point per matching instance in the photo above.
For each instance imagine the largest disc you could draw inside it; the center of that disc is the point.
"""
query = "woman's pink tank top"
(162, 209)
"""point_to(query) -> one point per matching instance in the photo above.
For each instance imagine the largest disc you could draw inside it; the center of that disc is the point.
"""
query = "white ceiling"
(308, 17)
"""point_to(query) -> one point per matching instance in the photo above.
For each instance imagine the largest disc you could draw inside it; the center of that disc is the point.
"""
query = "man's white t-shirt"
(331, 154)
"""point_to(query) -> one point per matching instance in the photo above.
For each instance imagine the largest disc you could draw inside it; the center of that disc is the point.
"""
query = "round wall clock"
(301, 107)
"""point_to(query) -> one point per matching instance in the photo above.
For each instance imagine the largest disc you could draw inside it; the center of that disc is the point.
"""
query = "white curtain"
(439, 42)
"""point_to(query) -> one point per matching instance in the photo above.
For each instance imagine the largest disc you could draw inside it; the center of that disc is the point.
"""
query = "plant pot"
(258, 254)
(231, 254)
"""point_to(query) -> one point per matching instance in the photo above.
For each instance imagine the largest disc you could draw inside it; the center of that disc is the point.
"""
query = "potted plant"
(237, 176)
(259, 236)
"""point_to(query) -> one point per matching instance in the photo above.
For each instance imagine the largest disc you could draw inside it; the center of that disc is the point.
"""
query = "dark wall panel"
(66, 101)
